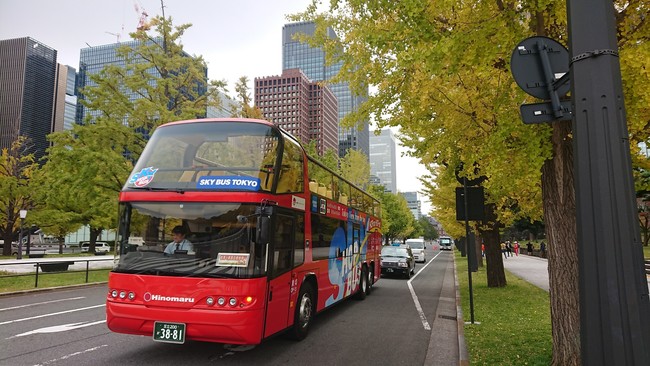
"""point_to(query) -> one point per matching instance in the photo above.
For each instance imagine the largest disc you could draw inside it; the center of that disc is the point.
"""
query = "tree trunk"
(61, 240)
(94, 234)
(496, 276)
(560, 218)
(478, 240)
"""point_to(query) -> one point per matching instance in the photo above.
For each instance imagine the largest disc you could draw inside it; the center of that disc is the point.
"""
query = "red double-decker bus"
(228, 232)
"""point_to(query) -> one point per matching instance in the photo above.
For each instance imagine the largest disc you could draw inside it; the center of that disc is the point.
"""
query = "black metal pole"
(467, 246)
(29, 240)
(19, 255)
(614, 304)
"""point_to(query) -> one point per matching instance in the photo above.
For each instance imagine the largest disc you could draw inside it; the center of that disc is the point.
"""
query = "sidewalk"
(532, 269)
(529, 268)
(28, 265)
(447, 342)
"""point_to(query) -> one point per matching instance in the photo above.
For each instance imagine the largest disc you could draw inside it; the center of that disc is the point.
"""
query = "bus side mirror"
(263, 224)
(262, 230)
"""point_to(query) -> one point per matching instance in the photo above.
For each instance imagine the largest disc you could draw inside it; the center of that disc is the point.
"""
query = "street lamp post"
(23, 214)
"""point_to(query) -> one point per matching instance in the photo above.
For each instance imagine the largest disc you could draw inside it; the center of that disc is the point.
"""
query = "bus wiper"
(147, 188)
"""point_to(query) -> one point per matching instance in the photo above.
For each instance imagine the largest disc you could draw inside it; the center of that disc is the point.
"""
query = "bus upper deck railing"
(33, 267)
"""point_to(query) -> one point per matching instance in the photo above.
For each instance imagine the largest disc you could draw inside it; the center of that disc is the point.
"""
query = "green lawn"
(646, 252)
(515, 321)
(9, 283)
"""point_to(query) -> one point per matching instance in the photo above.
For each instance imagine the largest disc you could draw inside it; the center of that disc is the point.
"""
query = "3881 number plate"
(169, 332)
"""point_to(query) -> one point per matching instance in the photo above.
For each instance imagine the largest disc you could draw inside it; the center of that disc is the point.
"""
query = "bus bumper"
(210, 325)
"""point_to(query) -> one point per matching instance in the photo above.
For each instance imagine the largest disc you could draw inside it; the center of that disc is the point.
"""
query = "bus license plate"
(169, 332)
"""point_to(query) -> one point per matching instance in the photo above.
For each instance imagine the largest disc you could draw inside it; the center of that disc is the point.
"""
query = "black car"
(397, 260)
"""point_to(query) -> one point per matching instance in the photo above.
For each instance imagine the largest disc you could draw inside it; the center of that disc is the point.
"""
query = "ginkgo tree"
(87, 165)
(17, 165)
(440, 71)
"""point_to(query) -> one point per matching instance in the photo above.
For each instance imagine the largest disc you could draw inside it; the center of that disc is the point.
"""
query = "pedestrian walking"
(509, 248)
(504, 250)
(516, 247)
(542, 249)
(482, 249)
(529, 248)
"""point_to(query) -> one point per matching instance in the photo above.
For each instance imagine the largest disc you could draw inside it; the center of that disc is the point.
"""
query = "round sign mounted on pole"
(536, 63)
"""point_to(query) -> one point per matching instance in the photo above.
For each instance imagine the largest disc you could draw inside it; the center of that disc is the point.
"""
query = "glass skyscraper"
(312, 62)
(65, 100)
(93, 59)
(27, 86)
(383, 159)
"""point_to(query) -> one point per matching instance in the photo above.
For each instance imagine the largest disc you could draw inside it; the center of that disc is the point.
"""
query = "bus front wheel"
(363, 284)
(371, 280)
(304, 313)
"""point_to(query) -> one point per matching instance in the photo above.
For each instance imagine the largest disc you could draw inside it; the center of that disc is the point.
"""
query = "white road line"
(58, 328)
(71, 355)
(51, 314)
(42, 303)
(418, 307)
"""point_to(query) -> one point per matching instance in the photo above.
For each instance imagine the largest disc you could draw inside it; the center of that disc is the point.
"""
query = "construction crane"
(143, 25)
(117, 35)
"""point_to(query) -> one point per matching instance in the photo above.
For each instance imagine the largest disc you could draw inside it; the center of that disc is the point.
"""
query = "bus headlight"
(210, 301)
(221, 301)
(232, 301)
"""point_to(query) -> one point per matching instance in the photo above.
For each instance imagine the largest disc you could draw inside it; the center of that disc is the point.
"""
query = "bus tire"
(304, 313)
(371, 281)
(363, 284)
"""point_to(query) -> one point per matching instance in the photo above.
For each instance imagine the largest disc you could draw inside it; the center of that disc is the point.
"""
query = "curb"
(462, 347)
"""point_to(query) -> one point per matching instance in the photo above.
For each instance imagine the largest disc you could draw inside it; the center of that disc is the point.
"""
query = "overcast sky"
(236, 38)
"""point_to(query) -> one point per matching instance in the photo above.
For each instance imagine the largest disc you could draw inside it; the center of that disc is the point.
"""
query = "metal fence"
(53, 266)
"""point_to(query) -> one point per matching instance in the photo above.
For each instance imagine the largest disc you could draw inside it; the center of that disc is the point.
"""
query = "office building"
(225, 109)
(383, 159)
(27, 80)
(413, 203)
(301, 107)
(93, 59)
(65, 100)
(312, 62)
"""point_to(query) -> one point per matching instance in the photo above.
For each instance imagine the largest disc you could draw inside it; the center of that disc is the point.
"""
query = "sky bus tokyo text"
(228, 232)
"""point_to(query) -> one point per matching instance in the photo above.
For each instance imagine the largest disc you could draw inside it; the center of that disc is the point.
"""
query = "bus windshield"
(232, 156)
(218, 240)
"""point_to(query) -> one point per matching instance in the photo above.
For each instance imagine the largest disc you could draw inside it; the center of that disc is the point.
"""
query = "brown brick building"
(305, 109)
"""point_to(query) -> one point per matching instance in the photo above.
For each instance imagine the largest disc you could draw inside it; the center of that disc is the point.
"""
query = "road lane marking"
(42, 303)
(71, 355)
(418, 307)
(51, 314)
(58, 328)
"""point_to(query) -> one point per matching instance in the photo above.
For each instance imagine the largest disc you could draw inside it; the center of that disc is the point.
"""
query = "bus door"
(280, 264)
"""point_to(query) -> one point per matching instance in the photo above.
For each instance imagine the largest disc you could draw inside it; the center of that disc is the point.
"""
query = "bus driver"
(179, 242)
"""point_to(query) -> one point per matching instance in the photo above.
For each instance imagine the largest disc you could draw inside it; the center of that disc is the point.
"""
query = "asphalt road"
(67, 327)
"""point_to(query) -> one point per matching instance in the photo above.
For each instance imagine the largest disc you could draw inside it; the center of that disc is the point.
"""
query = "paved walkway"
(532, 269)
(27, 265)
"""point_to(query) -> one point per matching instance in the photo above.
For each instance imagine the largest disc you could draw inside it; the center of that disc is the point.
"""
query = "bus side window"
(290, 178)
(283, 239)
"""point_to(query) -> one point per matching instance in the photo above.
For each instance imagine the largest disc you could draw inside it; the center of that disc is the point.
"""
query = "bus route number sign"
(169, 332)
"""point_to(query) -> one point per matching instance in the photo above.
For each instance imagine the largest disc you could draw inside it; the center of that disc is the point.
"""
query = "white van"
(100, 247)
(417, 247)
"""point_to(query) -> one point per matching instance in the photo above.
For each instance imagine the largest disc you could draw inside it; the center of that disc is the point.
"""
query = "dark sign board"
(475, 204)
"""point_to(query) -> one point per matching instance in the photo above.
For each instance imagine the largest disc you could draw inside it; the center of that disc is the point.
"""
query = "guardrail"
(51, 266)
